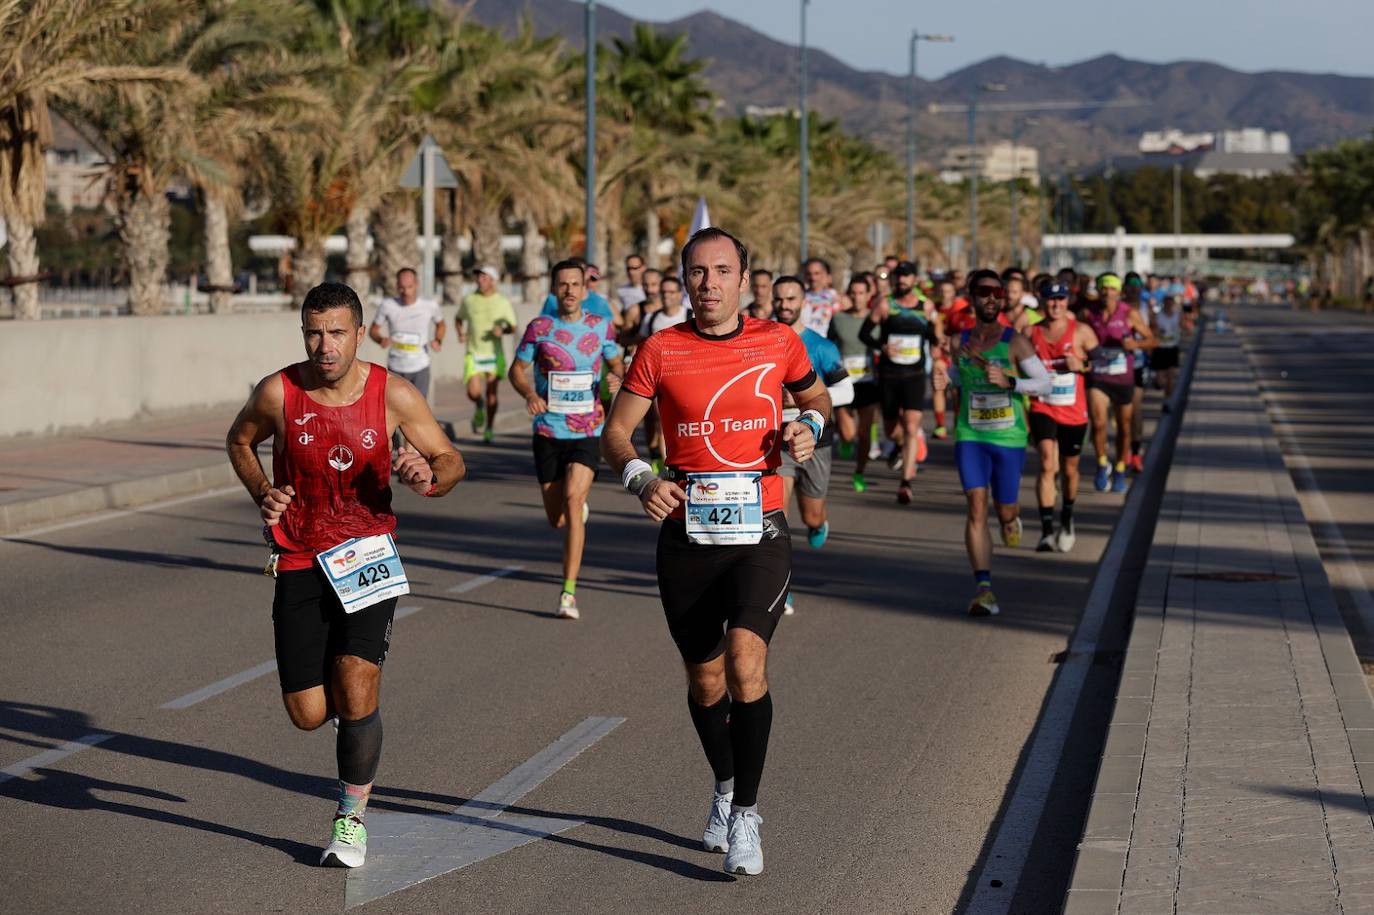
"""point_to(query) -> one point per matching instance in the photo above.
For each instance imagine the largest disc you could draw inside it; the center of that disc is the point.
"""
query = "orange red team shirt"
(720, 398)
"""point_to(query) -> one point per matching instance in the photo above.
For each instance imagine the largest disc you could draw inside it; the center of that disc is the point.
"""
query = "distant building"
(1246, 164)
(994, 162)
(1251, 140)
(75, 177)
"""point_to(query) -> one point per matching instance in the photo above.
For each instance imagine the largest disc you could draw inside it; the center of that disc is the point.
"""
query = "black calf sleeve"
(713, 727)
(359, 748)
(750, 723)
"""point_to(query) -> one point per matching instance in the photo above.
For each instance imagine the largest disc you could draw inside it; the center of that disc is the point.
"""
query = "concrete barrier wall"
(65, 375)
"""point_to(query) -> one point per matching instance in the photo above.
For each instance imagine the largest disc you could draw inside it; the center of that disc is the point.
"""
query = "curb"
(18, 517)
(1130, 545)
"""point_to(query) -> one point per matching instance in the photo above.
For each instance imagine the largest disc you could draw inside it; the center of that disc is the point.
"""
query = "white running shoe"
(348, 846)
(1046, 544)
(717, 837)
(746, 848)
(787, 606)
(567, 607)
(1066, 538)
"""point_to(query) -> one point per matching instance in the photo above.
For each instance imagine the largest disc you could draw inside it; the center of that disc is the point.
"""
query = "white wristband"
(633, 469)
(815, 415)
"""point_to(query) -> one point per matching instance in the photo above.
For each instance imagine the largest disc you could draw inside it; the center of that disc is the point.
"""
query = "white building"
(995, 162)
(75, 178)
(1245, 140)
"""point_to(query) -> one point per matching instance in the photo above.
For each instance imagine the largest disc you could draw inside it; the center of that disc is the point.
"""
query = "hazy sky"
(1326, 36)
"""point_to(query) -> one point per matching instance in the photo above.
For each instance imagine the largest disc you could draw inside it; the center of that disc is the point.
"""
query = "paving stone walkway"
(1236, 769)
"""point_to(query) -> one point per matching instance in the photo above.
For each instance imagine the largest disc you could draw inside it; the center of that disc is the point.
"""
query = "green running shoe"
(860, 484)
(348, 846)
(488, 435)
(479, 418)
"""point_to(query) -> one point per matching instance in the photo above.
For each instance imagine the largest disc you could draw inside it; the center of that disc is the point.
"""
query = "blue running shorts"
(995, 466)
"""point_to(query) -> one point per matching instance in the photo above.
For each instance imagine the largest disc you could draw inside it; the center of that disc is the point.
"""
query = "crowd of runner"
(716, 413)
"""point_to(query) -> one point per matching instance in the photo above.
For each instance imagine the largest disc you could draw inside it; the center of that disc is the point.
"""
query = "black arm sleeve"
(867, 335)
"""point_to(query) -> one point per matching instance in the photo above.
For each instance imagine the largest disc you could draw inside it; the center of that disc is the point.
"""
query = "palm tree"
(51, 50)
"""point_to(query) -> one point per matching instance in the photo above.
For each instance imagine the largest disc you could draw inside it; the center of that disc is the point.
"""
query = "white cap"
(491, 272)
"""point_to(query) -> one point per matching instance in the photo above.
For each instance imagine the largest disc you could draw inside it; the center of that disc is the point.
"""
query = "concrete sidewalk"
(1232, 780)
(51, 479)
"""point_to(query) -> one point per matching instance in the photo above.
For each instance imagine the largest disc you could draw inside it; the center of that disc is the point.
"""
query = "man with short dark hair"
(328, 521)
(724, 556)
(822, 299)
(761, 288)
(557, 369)
(632, 293)
(673, 312)
(483, 320)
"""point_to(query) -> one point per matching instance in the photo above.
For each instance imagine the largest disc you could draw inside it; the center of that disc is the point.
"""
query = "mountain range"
(748, 68)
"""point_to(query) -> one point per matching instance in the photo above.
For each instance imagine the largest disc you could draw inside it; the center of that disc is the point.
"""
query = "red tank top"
(338, 460)
(1052, 354)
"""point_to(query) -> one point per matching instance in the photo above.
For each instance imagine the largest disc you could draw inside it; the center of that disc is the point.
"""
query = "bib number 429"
(372, 575)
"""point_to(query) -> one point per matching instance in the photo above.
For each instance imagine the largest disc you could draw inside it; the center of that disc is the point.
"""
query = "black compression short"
(865, 394)
(1070, 438)
(903, 392)
(708, 590)
(1122, 395)
(311, 629)
(553, 455)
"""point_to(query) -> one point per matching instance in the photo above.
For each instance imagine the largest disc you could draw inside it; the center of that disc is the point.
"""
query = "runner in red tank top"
(1059, 419)
(724, 555)
(328, 506)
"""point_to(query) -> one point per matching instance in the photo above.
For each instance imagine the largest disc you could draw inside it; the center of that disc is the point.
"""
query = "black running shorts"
(1070, 438)
(553, 455)
(708, 590)
(1164, 358)
(903, 392)
(1122, 395)
(311, 629)
(865, 395)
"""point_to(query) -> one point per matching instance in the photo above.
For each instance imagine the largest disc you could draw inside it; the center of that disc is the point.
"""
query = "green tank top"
(987, 413)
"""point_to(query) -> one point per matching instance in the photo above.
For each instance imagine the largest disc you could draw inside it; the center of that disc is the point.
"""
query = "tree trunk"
(145, 222)
(486, 238)
(219, 270)
(358, 261)
(308, 264)
(22, 254)
(397, 235)
(534, 262)
(653, 234)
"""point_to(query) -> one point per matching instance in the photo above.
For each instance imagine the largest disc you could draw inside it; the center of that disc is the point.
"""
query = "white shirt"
(659, 320)
(410, 328)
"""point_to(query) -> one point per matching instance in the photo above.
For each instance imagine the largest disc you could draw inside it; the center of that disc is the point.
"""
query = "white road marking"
(405, 849)
(48, 757)
(119, 513)
(473, 584)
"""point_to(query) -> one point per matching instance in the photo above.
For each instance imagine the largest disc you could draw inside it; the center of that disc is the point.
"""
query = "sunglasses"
(993, 292)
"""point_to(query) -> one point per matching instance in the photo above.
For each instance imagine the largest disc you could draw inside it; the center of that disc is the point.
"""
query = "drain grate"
(1235, 577)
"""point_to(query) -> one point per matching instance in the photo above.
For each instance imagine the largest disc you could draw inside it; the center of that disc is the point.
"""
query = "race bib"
(572, 392)
(1063, 390)
(910, 348)
(725, 508)
(364, 571)
(1168, 341)
(991, 411)
(1110, 361)
(858, 367)
(409, 344)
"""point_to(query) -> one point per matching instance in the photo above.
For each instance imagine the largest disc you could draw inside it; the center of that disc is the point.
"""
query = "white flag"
(701, 219)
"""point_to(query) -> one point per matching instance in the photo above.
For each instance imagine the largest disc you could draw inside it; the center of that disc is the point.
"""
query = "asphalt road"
(1317, 378)
(899, 720)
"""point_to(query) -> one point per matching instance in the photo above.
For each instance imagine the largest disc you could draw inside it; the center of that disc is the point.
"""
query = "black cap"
(905, 267)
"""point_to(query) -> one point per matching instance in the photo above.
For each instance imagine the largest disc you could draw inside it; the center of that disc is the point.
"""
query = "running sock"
(1066, 515)
(725, 787)
(750, 723)
(1120, 467)
(570, 586)
(1101, 460)
(983, 577)
(1047, 521)
(358, 748)
(713, 728)
(352, 800)
(939, 417)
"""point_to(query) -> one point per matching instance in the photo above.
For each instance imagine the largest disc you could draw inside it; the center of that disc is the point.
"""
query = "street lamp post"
(1016, 127)
(805, 137)
(1178, 211)
(973, 169)
(590, 189)
(916, 36)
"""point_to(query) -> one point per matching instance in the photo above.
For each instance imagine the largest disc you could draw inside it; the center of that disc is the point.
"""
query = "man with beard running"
(1059, 419)
(902, 332)
(557, 369)
(328, 520)
(724, 554)
(997, 369)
